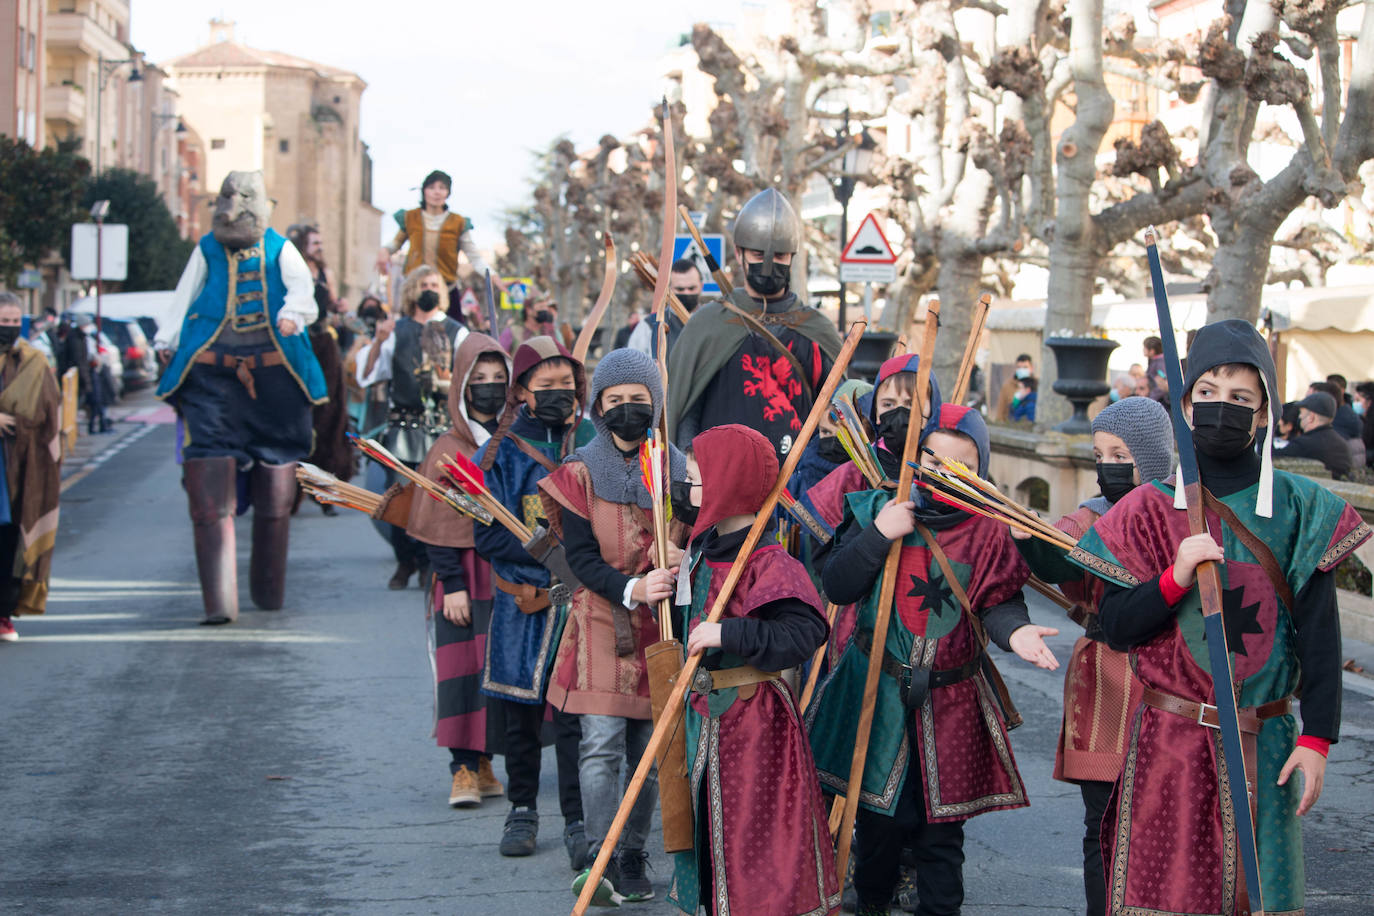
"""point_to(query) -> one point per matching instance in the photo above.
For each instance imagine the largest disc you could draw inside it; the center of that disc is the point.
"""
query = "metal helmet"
(768, 223)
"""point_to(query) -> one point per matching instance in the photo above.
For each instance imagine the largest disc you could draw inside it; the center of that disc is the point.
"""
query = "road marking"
(64, 583)
(95, 461)
(199, 634)
(77, 618)
(63, 597)
(1357, 683)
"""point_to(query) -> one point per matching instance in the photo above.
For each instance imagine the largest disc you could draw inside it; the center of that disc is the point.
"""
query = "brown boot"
(211, 496)
(274, 488)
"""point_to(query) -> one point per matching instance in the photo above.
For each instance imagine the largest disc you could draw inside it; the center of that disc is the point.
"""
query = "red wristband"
(1313, 743)
(1170, 589)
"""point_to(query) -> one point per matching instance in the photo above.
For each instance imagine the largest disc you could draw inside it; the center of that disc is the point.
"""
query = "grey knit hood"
(616, 477)
(1144, 425)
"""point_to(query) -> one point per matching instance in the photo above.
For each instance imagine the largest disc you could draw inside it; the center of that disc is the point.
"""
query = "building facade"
(297, 121)
(21, 70)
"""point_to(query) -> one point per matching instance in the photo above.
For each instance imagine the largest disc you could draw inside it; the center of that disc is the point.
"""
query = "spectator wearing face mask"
(1345, 421)
(1319, 439)
(1023, 402)
(540, 318)
(414, 352)
(1364, 406)
(685, 282)
(1025, 368)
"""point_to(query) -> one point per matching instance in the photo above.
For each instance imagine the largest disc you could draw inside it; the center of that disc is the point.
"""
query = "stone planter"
(1082, 363)
(869, 356)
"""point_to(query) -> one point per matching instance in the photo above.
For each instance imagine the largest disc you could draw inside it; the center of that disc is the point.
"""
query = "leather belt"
(1205, 714)
(530, 599)
(707, 679)
(909, 678)
(243, 366)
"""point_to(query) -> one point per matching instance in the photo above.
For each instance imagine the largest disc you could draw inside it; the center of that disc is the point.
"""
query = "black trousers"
(221, 418)
(524, 723)
(938, 850)
(1096, 798)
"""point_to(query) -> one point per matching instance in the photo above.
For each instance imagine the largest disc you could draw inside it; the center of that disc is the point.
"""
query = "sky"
(472, 87)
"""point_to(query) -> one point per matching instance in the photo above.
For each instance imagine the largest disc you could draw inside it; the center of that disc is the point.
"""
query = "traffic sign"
(868, 245)
(867, 272)
(517, 291)
(114, 258)
(684, 246)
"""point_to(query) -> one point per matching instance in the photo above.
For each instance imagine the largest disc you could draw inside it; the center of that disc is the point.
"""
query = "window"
(283, 146)
(23, 49)
(33, 52)
(216, 144)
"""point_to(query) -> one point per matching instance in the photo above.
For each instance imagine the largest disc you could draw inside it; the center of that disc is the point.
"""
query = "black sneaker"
(575, 841)
(522, 826)
(634, 884)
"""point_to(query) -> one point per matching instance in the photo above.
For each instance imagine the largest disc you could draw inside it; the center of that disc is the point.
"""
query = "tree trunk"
(959, 284)
(1074, 251)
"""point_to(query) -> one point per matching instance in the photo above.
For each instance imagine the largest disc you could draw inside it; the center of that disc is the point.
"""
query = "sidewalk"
(133, 417)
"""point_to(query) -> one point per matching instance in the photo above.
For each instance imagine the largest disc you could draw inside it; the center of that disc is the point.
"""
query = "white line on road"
(204, 635)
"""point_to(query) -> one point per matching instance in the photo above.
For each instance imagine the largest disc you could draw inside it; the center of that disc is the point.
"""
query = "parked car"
(140, 365)
(150, 308)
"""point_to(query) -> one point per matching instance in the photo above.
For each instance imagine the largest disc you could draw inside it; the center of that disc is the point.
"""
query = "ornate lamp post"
(855, 162)
(106, 70)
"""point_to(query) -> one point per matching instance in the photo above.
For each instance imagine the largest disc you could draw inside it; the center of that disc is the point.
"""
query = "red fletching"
(460, 479)
(470, 469)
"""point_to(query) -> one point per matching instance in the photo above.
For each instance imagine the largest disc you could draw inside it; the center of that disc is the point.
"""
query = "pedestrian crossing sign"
(517, 291)
(684, 246)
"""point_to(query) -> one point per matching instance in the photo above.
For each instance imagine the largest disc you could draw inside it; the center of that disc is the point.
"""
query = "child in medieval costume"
(460, 598)
(762, 838)
(938, 753)
(242, 377)
(1133, 443)
(539, 428)
(887, 409)
(599, 507)
(1170, 845)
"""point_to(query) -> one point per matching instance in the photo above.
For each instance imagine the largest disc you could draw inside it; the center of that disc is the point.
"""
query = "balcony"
(65, 104)
(76, 32)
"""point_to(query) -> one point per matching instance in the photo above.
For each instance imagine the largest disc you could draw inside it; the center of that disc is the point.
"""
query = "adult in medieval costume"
(459, 601)
(723, 369)
(332, 451)
(31, 452)
(435, 235)
(1133, 443)
(762, 844)
(1170, 842)
(243, 378)
(415, 353)
(685, 283)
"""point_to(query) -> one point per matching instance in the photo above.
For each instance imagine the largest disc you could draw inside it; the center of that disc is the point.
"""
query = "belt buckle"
(1202, 711)
(703, 682)
(560, 594)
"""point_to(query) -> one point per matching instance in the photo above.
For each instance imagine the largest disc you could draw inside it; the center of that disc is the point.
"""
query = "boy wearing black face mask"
(1281, 536)
(539, 428)
(599, 506)
(938, 752)
(1133, 443)
(419, 411)
(722, 371)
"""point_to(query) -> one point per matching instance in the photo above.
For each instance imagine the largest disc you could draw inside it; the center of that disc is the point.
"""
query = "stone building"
(21, 70)
(297, 121)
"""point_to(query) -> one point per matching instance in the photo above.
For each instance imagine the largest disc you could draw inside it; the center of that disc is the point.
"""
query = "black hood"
(1233, 341)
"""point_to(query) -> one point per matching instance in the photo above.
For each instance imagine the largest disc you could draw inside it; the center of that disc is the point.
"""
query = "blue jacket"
(254, 289)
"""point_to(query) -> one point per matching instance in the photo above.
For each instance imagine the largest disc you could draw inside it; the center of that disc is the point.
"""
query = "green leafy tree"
(157, 252)
(40, 198)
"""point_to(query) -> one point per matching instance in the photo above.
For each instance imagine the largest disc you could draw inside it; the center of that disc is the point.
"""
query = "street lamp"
(855, 162)
(99, 210)
(106, 70)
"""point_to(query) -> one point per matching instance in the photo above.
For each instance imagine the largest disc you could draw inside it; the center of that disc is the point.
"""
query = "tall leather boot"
(273, 488)
(211, 496)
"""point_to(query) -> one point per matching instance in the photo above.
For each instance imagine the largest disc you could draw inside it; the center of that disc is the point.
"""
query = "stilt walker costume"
(762, 838)
(1171, 845)
(598, 505)
(938, 752)
(243, 379)
(525, 626)
(463, 722)
(724, 371)
(1100, 693)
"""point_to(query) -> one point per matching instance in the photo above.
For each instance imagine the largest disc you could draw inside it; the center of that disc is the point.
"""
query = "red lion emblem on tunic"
(772, 380)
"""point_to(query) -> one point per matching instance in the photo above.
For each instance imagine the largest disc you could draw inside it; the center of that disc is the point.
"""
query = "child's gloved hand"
(895, 520)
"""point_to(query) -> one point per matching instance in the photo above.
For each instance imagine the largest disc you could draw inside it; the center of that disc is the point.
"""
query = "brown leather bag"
(664, 660)
(394, 509)
(1010, 714)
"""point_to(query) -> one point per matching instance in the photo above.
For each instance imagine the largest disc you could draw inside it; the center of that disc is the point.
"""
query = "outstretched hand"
(1028, 642)
(1313, 767)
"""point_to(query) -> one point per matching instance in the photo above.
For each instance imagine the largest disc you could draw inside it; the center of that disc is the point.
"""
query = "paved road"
(283, 765)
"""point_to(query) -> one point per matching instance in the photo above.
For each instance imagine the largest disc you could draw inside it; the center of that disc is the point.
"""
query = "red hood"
(738, 470)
